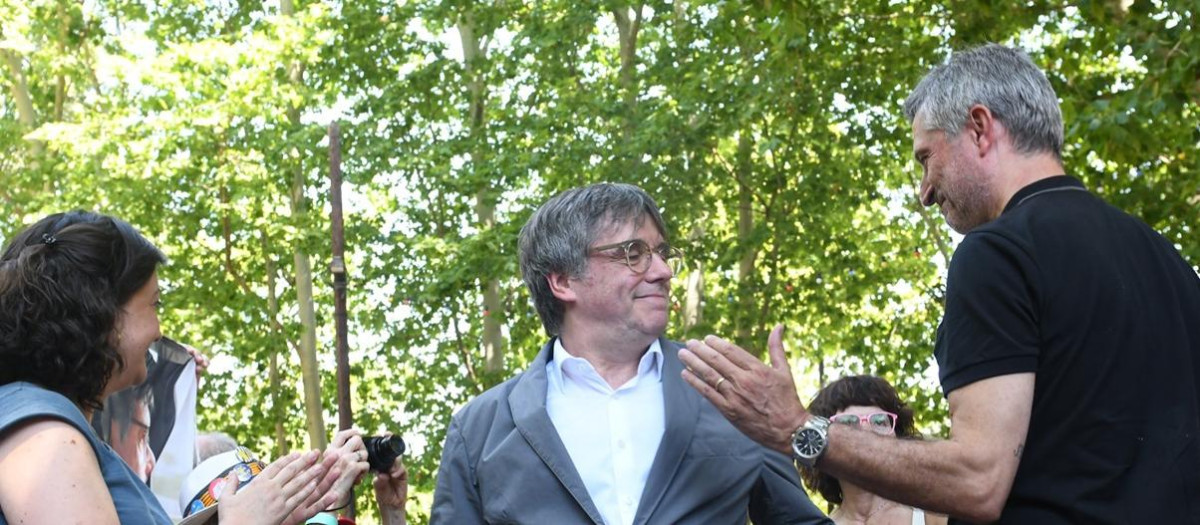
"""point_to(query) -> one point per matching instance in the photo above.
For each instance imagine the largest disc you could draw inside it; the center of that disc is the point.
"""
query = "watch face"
(809, 443)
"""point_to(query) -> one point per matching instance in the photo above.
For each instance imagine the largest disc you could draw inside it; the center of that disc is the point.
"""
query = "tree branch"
(939, 239)
(466, 355)
(236, 275)
(20, 89)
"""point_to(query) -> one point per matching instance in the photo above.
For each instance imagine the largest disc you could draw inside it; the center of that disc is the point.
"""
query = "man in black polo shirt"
(1070, 347)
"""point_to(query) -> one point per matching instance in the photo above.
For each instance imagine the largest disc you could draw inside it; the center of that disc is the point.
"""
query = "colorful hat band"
(246, 468)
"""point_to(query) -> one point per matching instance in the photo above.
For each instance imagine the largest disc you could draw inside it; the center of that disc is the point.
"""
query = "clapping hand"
(276, 495)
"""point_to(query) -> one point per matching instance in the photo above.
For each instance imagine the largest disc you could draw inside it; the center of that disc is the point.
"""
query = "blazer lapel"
(681, 407)
(527, 401)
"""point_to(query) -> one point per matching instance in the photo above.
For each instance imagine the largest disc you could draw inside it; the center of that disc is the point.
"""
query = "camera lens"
(382, 451)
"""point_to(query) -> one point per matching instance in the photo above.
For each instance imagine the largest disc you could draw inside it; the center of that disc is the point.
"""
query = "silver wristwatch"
(809, 441)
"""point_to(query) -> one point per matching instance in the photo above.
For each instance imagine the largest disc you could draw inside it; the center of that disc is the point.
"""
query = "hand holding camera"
(382, 451)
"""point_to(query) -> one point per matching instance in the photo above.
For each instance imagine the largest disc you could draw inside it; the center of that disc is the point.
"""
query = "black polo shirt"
(1106, 313)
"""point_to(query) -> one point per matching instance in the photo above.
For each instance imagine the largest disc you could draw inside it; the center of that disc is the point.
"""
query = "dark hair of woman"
(63, 282)
(864, 390)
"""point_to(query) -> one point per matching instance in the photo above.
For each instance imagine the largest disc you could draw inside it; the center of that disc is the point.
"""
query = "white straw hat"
(204, 484)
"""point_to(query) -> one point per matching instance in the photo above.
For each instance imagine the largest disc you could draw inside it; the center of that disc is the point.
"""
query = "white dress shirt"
(611, 435)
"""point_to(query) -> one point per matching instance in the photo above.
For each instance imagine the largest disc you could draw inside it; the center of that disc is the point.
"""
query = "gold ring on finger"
(717, 386)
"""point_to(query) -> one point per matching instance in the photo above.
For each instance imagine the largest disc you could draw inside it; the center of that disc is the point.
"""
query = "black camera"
(382, 451)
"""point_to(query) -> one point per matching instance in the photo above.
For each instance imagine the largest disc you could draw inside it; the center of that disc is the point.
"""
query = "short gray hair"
(558, 235)
(210, 444)
(1004, 80)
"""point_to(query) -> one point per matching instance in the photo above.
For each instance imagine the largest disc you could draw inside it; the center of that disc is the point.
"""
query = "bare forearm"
(392, 516)
(968, 476)
(942, 475)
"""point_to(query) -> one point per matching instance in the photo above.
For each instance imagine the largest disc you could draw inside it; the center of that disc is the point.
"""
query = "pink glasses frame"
(865, 420)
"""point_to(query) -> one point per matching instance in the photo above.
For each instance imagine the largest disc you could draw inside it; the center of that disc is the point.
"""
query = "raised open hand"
(759, 400)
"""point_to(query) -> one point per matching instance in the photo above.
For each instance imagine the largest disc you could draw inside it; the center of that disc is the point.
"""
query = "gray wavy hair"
(558, 235)
(1004, 80)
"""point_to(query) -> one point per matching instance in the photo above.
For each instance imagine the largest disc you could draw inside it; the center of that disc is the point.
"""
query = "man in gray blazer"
(601, 427)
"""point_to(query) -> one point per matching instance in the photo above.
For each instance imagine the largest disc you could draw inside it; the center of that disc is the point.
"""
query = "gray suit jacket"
(503, 462)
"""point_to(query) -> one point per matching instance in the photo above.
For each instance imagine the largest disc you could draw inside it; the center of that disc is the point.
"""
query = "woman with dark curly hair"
(870, 404)
(78, 312)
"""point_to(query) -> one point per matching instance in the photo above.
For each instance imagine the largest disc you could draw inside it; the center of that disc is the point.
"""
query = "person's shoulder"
(43, 426)
(24, 391)
(1052, 212)
(20, 401)
(50, 457)
(989, 239)
(45, 440)
(490, 401)
(37, 421)
(496, 397)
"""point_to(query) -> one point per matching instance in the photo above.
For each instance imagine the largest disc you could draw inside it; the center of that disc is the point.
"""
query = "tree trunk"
(693, 302)
(277, 413)
(485, 206)
(60, 87)
(745, 233)
(313, 406)
(20, 92)
(627, 32)
(20, 89)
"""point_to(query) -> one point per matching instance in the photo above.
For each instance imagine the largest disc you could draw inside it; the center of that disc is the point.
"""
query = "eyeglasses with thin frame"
(637, 255)
(878, 422)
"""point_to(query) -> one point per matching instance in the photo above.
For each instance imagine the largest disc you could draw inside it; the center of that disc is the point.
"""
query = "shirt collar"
(1056, 183)
(649, 367)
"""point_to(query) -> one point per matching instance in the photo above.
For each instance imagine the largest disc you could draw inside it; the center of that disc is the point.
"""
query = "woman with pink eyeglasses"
(871, 404)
